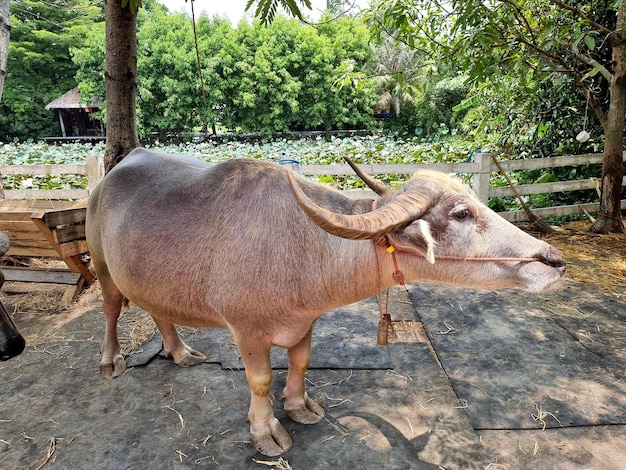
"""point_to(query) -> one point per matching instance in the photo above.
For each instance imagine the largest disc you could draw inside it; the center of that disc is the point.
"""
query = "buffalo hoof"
(272, 441)
(309, 413)
(109, 369)
(187, 357)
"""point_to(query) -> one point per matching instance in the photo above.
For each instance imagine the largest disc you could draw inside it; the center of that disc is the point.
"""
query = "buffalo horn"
(404, 209)
(375, 185)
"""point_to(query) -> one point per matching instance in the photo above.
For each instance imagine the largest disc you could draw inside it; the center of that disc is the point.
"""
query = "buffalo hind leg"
(112, 363)
(298, 406)
(268, 435)
(175, 348)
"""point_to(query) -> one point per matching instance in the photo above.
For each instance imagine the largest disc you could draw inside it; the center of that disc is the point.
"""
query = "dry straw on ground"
(593, 259)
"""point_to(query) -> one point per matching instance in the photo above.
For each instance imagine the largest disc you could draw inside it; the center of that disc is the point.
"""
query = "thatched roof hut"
(75, 116)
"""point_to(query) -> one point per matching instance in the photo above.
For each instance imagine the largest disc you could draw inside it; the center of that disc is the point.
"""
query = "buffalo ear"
(416, 238)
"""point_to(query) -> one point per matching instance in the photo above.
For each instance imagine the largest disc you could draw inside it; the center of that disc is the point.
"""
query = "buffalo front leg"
(298, 406)
(175, 348)
(268, 435)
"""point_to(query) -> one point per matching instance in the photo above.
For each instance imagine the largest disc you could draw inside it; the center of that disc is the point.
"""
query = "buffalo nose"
(555, 259)
(12, 347)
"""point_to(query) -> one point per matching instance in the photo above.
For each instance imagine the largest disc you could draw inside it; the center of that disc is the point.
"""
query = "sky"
(232, 9)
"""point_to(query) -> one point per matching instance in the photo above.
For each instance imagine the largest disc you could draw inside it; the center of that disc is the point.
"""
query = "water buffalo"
(250, 246)
(11, 341)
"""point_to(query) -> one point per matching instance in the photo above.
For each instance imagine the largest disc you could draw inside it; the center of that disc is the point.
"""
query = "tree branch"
(581, 14)
(592, 62)
(552, 58)
(520, 17)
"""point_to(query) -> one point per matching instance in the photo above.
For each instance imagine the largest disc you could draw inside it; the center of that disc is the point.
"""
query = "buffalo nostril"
(555, 259)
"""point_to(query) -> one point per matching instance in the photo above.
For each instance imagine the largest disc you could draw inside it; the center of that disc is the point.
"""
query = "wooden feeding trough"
(48, 224)
(46, 229)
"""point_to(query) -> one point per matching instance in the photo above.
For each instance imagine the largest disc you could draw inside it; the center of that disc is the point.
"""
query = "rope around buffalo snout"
(383, 241)
(399, 277)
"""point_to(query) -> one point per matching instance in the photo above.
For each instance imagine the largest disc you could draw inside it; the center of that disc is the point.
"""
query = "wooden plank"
(54, 169)
(18, 227)
(42, 275)
(74, 262)
(532, 163)
(69, 233)
(95, 171)
(32, 252)
(23, 246)
(521, 216)
(76, 247)
(551, 162)
(24, 234)
(73, 291)
(15, 216)
(389, 169)
(360, 194)
(16, 205)
(25, 243)
(65, 217)
(46, 193)
(539, 188)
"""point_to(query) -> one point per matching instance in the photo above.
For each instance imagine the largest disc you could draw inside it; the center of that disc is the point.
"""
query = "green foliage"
(39, 65)
(266, 9)
(134, 5)
(269, 79)
(547, 126)
(258, 75)
(520, 57)
(431, 116)
(89, 57)
(168, 86)
(282, 77)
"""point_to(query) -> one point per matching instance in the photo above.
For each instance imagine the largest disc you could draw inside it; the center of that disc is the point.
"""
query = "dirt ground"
(501, 380)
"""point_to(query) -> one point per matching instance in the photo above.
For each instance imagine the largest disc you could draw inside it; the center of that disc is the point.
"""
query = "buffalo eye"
(462, 214)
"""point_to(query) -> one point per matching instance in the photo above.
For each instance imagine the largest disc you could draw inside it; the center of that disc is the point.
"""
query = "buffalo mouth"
(541, 275)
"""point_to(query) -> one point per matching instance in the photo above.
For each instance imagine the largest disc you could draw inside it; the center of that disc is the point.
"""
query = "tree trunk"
(121, 82)
(5, 32)
(609, 217)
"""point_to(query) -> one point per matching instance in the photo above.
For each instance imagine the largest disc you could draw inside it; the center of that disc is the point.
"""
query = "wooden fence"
(480, 170)
(93, 168)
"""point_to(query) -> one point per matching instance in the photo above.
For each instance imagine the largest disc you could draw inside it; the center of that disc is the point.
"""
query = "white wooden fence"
(480, 170)
(93, 168)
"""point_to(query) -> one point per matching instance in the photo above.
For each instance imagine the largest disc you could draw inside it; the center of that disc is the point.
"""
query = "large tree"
(5, 32)
(120, 74)
(583, 40)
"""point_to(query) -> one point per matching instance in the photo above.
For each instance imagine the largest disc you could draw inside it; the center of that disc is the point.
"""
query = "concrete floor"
(478, 380)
